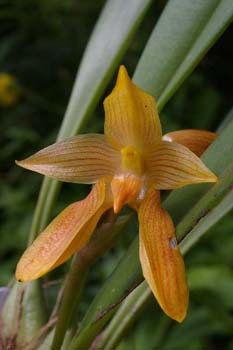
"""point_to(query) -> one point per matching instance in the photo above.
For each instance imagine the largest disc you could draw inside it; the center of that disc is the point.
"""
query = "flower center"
(132, 161)
(126, 190)
(128, 185)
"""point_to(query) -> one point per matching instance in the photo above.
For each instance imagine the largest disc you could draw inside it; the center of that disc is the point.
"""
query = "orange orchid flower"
(129, 164)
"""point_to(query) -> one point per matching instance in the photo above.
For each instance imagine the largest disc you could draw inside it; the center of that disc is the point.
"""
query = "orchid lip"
(125, 190)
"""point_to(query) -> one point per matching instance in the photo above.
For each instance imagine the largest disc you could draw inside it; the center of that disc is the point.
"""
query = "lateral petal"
(195, 140)
(65, 235)
(162, 263)
(81, 159)
(171, 165)
(131, 117)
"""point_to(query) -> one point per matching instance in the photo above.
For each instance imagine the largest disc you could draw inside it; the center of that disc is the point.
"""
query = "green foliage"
(178, 42)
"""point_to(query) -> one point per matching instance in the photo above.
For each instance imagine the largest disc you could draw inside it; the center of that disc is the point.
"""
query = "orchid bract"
(129, 164)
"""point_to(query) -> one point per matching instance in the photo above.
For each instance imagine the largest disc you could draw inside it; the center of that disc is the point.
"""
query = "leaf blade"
(178, 43)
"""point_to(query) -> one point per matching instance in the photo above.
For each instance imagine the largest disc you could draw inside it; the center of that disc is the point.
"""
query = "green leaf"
(124, 317)
(182, 36)
(226, 121)
(203, 224)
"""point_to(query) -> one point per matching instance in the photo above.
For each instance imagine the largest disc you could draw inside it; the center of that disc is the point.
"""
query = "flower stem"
(72, 292)
(102, 240)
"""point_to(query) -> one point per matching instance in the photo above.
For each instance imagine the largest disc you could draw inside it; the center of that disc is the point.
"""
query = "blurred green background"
(41, 47)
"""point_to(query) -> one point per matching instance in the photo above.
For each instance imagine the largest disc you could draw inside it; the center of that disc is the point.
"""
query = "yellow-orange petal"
(65, 235)
(81, 159)
(195, 140)
(131, 117)
(161, 260)
(171, 165)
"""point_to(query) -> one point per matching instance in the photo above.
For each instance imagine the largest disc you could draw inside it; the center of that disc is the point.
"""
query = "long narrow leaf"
(184, 33)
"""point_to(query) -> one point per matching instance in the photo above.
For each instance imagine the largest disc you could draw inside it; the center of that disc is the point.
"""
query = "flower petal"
(172, 165)
(161, 260)
(81, 159)
(131, 117)
(65, 235)
(196, 141)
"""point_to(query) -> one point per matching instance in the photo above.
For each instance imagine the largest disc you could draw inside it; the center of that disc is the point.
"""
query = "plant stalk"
(102, 240)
